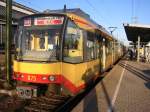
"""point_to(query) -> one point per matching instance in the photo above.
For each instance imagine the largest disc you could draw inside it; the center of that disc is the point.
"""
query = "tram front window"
(39, 42)
(39, 45)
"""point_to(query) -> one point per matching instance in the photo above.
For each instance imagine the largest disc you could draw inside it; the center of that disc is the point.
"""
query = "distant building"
(17, 12)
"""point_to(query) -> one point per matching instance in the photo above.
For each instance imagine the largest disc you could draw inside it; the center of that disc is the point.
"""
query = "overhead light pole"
(112, 29)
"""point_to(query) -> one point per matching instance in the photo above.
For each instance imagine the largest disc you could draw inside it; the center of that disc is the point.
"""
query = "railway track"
(45, 104)
(39, 104)
(11, 104)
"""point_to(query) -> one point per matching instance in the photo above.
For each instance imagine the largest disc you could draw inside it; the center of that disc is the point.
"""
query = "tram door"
(72, 57)
(113, 52)
(103, 55)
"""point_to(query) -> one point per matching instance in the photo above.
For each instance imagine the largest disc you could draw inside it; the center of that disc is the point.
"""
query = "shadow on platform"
(107, 97)
(147, 84)
(90, 102)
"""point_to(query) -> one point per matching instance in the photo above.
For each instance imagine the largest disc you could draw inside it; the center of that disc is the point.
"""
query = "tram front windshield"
(38, 38)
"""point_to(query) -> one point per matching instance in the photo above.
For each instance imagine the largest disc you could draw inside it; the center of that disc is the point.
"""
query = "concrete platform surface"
(126, 88)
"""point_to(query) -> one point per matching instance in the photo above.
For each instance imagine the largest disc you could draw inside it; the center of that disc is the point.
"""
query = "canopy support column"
(144, 52)
(138, 50)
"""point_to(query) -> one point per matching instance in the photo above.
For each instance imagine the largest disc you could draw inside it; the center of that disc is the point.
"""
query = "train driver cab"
(39, 38)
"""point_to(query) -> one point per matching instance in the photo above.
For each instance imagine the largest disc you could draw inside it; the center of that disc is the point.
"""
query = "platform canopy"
(18, 10)
(135, 30)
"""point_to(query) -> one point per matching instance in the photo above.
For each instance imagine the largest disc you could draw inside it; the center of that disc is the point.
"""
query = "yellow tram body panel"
(37, 68)
(109, 61)
(81, 73)
(74, 72)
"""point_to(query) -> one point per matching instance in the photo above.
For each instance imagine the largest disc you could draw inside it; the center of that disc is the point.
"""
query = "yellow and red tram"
(62, 51)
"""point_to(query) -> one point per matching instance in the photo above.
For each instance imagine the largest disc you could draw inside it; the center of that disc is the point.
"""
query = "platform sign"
(51, 20)
(27, 22)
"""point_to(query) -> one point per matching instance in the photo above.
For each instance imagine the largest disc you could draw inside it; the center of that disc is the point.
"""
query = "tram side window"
(108, 47)
(73, 44)
(90, 46)
(14, 29)
(97, 47)
(3, 34)
(1, 41)
(116, 46)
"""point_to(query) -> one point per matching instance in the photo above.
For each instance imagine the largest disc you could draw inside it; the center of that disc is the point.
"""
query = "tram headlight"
(20, 92)
(52, 78)
(22, 76)
(17, 75)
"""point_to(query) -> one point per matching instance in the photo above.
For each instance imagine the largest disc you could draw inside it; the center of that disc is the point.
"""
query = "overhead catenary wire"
(93, 9)
(96, 11)
(135, 5)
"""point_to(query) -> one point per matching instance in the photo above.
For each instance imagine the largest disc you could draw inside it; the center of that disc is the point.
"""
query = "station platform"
(126, 88)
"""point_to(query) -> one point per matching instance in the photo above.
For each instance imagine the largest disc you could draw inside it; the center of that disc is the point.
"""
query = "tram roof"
(135, 30)
(79, 12)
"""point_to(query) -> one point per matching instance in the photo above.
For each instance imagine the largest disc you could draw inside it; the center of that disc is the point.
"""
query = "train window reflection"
(40, 44)
(90, 45)
(73, 44)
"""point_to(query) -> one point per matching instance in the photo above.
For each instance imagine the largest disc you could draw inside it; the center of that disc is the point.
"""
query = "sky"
(108, 13)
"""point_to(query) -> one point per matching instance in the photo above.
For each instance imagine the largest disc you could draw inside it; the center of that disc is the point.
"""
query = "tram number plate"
(27, 92)
(32, 78)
